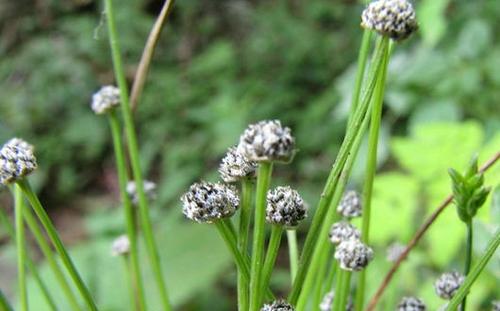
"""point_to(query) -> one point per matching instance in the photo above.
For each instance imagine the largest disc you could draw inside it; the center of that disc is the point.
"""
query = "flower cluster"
(107, 98)
(353, 255)
(327, 302)
(448, 284)
(149, 190)
(16, 161)
(120, 246)
(285, 207)
(278, 305)
(236, 166)
(411, 304)
(350, 205)
(341, 231)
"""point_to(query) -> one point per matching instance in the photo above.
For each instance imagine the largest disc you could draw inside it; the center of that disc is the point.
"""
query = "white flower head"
(16, 161)
(120, 246)
(353, 255)
(285, 207)
(107, 98)
(235, 166)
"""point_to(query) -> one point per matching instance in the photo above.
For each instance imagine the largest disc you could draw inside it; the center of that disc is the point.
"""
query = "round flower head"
(16, 160)
(149, 189)
(353, 255)
(208, 202)
(394, 251)
(448, 283)
(278, 305)
(393, 18)
(411, 304)
(350, 205)
(267, 141)
(121, 246)
(285, 207)
(327, 302)
(105, 99)
(341, 231)
(236, 166)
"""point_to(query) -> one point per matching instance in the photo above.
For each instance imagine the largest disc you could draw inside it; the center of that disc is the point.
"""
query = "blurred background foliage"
(220, 65)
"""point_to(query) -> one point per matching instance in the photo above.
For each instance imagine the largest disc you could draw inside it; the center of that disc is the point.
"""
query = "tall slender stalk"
(371, 167)
(56, 240)
(133, 151)
(468, 258)
(29, 263)
(263, 180)
(21, 248)
(474, 273)
(320, 280)
(134, 266)
(342, 290)
(245, 209)
(293, 252)
(51, 260)
(271, 254)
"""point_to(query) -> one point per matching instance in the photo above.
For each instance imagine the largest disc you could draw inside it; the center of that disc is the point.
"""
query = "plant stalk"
(272, 253)
(4, 304)
(244, 225)
(133, 150)
(468, 258)
(342, 290)
(293, 252)
(21, 248)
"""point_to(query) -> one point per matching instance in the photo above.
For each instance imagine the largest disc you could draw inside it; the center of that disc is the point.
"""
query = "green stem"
(56, 240)
(474, 273)
(133, 149)
(334, 267)
(342, 290)
(272, 253)
(245, 209)
(259, 231)
(468, 258)
(371, 168)
(129, 279)
(21, 248)
(128, 210)
(4, 304)
(293, 252)
(353, 132)
(51, 260)
(320, 281)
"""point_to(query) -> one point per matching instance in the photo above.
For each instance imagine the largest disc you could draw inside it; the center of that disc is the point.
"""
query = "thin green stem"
(129, 279)
(245, 209)
(133, 149)
(21, 248)
(4, 304)
(342, 290)
(271, 254)
(259, 231)
(128, 210)
(293, 252)
(474, 273)
(320, 281)
(468, 258)
(353, 132)
(371, 168)
(51, 260)
(56, 240)
(334, 267)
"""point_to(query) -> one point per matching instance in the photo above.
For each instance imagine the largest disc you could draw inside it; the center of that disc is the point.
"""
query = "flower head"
(394, 251)
(393, 18)
(495, 305)
(121, 246)
(236, 166)
(327, 302)
(105, 99)
(448, 283)
(341, 231)
(267, 141)
(278, 305)
(411, 304)
(350, 205)
(207, 202)
(285, 207)
(16, 160)
(149, 189)
(353, 255)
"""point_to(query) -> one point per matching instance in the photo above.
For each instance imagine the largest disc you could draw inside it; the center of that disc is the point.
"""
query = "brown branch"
(147, 54)
(418, 235)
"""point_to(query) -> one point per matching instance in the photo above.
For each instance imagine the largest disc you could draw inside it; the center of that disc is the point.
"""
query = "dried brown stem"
(418, 235)
(147, 54)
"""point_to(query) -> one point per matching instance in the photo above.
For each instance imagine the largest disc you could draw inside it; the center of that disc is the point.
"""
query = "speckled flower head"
(448, 283)
(393, 18)
(105, 99)
(207, 202)
(353, 255)
(278, 305)
(267, 141)
(327, 302)
(394, 251)
(285, 207)
(341, 231)
(495, 305)
(411, 304)
(236, 166)
(149, 189)
(121, 246)
(16, 160)
(350, 205)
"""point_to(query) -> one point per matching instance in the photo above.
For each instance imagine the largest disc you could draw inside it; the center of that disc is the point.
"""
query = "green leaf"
(432, 20)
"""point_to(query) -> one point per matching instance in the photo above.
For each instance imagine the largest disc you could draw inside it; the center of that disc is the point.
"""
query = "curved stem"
(246, 200)
(293, 252)
(468, 258)
(21, 248)
(272, 253)
(56, 240)
(133, 150)
(474, 273)
(134, 270)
